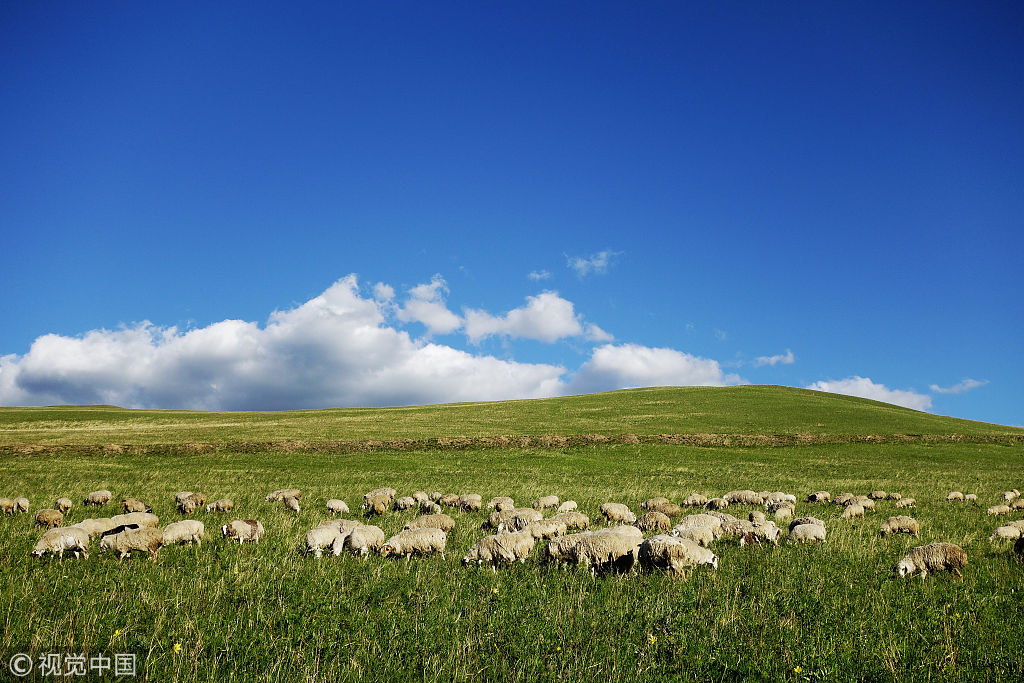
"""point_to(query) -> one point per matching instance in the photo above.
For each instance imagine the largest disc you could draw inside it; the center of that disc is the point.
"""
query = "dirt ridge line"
(514, 442)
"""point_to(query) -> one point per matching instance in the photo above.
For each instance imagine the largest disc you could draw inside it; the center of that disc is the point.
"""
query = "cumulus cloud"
(426, 304)
(626, 366)
(865, 388)
(539, 275)
(786, 358)
(596, 264)
(546, 317)
(960, 387)
(333, 350)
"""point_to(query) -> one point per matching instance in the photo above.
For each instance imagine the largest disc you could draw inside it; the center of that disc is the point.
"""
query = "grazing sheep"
(775, 497)
(877, 495)
(186, 531)
(134, 505)
(337, 507)
(1006, 533)
(450, 500)
(762, 532)
(439, 521)
(520, 519)
(735, 528)
(292, 503)
(568, 506)
(900, 524)
(429, 507)
(807, 533)
(101, 497)
(385, 491)
(435, 496)
(363, 539)
(608, 551)
(545, 502)
(147, 540)
(695, 500)
(865, 502)
(819, 497)
(243, 530)
(954, 495)
(653, 521)
(844, 499)
(504, 548)
(998, 510)
(182, 495)
(934, 557)
(56, 541)
(745, 497)
(669, 509)
(96, 527)
(701, 535)
(470, 502)
(221, 505)
(700, 521)
(617, 513)
(500, 503)
(756, 516)
(894, 496)
(279, 495)
(573, 519)
(1017, 504)
(906, 503)
(557, 551)
(783, 513)
(495, 519)
(970, 497)
(653, 503)
(145, 519)
(321, 538)
(404, 503)
(63, 504)
(7, 506)
(49, 518)
(344, 527)
(377, 505)
(1009, 496)
(420, 496)
(805, 520)
(723, 516)
(415, 541)
(717, 504)
(190, 503)
(853, 510)
(546, 528)
(674, 555)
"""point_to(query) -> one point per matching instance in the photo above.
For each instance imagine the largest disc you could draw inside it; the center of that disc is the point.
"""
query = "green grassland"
(266, 612)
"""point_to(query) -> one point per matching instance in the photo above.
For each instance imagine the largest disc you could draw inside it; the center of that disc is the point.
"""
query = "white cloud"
(596, 263)
(865, 388)
(721, 335)
(786, 358)
(630, 365)
(425, 304)
(546, 317)
(596, 334)
(959, 388)
(539, 275)
(333, 350)
(383, 292)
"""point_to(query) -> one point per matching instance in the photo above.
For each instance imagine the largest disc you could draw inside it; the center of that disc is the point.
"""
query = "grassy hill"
(764, 410)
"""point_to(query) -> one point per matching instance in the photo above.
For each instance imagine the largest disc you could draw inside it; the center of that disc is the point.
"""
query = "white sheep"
(404, 503)
(865, 502)
(1006, 533)
(439, 521)
(60, 539)
(717, 504)
(617, 513)
(844, 499)
(701, 535)
(894, 496)
(762, 532)
(653, 521)
(363, 539)
(337, 507)
(504, 548)
(819, 497)
(520, 519)
(134, 505)
(420, 496)
(557, 551)
(222, 505)
(606, 550)
(877, 495)
(568, 506)
(186, 531)
(278, 495)
(385, 491)
(954, 495)
(933, 557)
(669, 509)
(756, 516)
(545, 502)
(144, 519)
(292, 503)
(243, 530)
(573, 519)
(429, 507)
(546, 528)
(450, 500)
(501, 503)
(998, 510)
(900, 524)
(377, 505)
(674, 554)
(146, 539)
(470, 502)
(906, 503)
(853, 510)
(807, 533)
(1009, 496)
(805, 520)
(744, 497)
(970, 497)
(7, 506)
(321, 538)
(49, 518)
(695, 500)
(63, 504)
(101, 497)
(96, 527)
(653, 503)
(415, 541)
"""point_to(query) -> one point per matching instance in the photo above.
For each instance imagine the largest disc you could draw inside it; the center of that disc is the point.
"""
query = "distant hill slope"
(761, 409)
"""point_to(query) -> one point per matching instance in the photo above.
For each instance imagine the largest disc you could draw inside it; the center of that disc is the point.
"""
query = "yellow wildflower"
(177, 647)
(797, 670)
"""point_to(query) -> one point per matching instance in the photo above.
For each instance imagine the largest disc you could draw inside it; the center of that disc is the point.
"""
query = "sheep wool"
(805, 520)
(695, 500)
(280, 494)
(49, 518)
(63, 504)
(96, 527)
(999, 510)
(56, 541)
(545, 502)
(146, 519)
(322, 538)
(934, 557)
(756, 516)
(900, 524)
(292, 503)
(377, 505)
(675, 555)
(101, 497)
(653, 521)
(760, 533)
(573, 520)
(954, 495)
(500, 503)
(364, 539)
(608, 551)
(439, 521)
(893, 496)
(853, 510)
(7, 506)
(819, 497)
(653, 503)
(134, 505)
(744, 497)
(906, 503)
(669, 509)
(429, 507)
(701, 535)
(222, 505)
(520, 519)
(148, 540)
(717, 504)
(415, 542)
(877, 495)
(617, 513)
(21, 504)
(470, 502)
(970, 497)
(1006, 533)
(450, 500)
(568, 506)
(186, 531)
(505, 548)
(546, 528)
(337, 507)
(420, 496)
(807, 533)
(243, 530)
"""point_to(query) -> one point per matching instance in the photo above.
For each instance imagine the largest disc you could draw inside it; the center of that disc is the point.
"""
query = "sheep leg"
(957, 574)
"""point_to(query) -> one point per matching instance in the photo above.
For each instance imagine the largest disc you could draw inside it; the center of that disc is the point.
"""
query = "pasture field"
(224, 612)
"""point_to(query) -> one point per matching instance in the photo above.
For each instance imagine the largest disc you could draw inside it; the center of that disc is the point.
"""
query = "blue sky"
(834, 190)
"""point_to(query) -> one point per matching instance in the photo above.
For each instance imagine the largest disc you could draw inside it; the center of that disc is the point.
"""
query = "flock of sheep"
(675, 546)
